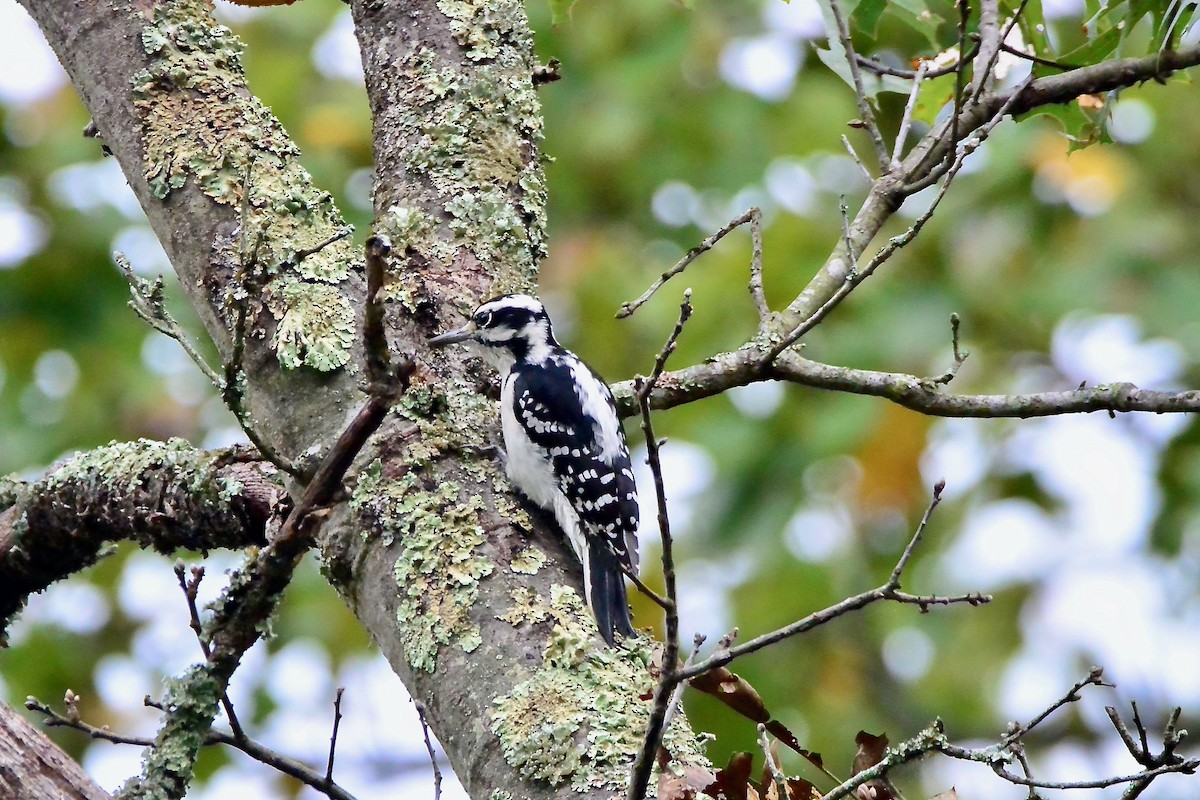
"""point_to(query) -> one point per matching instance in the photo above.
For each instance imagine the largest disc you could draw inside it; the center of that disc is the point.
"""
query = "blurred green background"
(667, 123)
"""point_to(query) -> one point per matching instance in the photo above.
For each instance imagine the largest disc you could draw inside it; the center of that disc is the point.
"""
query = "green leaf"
(560, 10)
(1082, 127)
(866, 16)
(1100, 47)
(935, 94)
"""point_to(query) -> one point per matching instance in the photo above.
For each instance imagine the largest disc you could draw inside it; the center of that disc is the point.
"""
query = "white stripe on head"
(513, 301)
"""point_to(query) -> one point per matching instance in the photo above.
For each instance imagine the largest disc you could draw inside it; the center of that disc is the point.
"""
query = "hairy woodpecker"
(565, 448)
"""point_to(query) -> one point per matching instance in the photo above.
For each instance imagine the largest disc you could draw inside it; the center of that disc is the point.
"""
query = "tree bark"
(475, 603)
(33, 768)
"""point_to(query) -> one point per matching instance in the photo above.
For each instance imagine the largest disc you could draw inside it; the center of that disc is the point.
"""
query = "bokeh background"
(667, 123)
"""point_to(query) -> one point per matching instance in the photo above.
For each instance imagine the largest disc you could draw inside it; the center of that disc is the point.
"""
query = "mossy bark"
(474, 602)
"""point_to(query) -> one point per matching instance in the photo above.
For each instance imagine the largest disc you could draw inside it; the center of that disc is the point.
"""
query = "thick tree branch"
(164, 496)
(927, 396)
(33, 768)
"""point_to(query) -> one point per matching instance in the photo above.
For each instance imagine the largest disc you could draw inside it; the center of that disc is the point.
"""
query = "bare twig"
(437, 772)
(709, 242)
(854, 155)
(888, 591)
(669, 672)
(864, 106)
(677, 693)
(256, 750)
(641, 586)
(756, 267)
(148, 302)
(190, 587)
(1095, 677)
(777, 775)
(232, 386)
(1010, 748)
(880, 68)
(337, 721)
(959, 356)
(853, 278)
(1140, 750)
(304, 253)
(374, 335)
(851, 256)
(906, 120)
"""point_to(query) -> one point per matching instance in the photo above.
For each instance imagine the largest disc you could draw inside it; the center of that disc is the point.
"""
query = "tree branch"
(890, 590)
(163, 496)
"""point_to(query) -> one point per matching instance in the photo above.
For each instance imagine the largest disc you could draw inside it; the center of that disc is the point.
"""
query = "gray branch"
(163, 496)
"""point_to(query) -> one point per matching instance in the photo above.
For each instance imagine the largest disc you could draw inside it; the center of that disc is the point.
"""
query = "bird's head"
(512, 327)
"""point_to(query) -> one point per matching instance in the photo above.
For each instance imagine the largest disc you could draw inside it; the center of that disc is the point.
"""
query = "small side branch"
(669, 678)
(864, 105)
(888, 591)
(337, 721)
(627, 309)
(437, 772)
(256, 750)
(960, 356)
(148, 302)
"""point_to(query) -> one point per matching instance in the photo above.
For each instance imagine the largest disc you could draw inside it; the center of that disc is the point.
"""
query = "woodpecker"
(565, 449)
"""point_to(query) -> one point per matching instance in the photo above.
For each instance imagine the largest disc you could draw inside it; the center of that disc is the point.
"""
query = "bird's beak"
(458, 335)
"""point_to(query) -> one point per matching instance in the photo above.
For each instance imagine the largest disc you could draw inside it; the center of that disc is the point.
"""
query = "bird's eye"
(482, 318)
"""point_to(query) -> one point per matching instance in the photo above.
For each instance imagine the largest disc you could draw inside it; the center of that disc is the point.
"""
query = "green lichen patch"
(452, 416)
(528, 561)
(473, 134)
(482, 27)
(316, 325)
(122, 466)
(579, 719)
(438, 570)
(191, 704)
(527, 607)
(200, 123)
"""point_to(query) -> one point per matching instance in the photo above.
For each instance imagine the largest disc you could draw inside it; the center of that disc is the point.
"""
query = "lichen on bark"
(200, 123)
(439, 566)
(578, 718)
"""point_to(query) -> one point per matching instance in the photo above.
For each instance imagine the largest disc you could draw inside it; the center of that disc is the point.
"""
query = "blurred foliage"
(1027, 237)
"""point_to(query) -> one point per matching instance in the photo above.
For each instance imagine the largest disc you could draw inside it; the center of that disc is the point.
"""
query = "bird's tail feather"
(605, 588)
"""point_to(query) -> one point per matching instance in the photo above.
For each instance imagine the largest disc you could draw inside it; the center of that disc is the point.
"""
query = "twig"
(147, 301)
(854, 155)
(906, 120)
(851, 256)
(337, 721)
(1140, 749)
(879, 68)
(1094, 678)
(864, 106)
(776, 773)
(304, 253)
(896, 242)
(959, 356)
(669, 673)
(633, 305)
(437, 772)
(257, 751)
(677, 694)
(888, 591)
(190, 589)
(641, 586)
(1045, 62)
(375, 337)
(232, 387)
(756, 267)
(989, 18)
